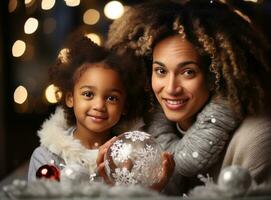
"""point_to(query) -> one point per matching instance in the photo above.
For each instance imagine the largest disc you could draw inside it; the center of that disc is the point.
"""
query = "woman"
(210, 76)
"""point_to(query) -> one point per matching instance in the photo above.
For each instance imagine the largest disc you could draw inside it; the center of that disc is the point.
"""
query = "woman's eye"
(160, 70)
(88, 94)
(189, 73)
(112, 98)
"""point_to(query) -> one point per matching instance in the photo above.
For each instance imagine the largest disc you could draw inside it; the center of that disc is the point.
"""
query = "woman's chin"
(174, 117)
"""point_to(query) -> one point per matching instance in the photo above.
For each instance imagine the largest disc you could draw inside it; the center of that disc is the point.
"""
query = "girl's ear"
(69, 100)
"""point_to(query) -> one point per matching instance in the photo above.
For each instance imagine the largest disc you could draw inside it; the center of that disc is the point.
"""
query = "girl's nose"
(99, 105)
(173, 85)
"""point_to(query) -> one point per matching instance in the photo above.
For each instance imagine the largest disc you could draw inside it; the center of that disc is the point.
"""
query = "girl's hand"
(100, 159)
(168, 165)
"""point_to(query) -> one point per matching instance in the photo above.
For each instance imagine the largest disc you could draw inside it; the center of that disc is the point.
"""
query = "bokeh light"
(254, 1)
(63, 55)
(29, 3)
(72, 3)
(113, 10)
(31, 25)
(18, 48)
(12, 5)
(91, 16)
(20, 94)
(94, 37)
(50, 94)
(47, 4)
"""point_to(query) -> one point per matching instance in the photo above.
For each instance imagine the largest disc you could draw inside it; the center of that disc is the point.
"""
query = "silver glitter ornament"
(134, 158)
(75, 174)
(234, 180)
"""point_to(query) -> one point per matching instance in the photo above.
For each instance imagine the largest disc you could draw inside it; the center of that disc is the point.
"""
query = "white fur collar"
(54, 135)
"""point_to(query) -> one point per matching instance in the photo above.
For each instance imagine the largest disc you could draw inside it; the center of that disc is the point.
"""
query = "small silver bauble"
(134, 158)
(235, 180)
(74, 173)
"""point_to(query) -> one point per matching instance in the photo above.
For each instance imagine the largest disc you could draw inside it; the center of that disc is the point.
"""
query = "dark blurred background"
(31, 35)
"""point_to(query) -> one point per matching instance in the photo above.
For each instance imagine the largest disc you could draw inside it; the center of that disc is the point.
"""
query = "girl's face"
(178, 81)
(97, 99)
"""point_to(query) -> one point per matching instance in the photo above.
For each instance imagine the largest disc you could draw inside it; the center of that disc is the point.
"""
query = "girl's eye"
(112, 98)
(88, 94)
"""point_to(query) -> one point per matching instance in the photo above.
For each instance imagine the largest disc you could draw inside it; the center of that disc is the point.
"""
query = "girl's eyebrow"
(182, 64)
(92, 87)
(117, 90)
(87, 86)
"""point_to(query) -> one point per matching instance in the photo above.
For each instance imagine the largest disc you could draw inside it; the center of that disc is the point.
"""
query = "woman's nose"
(173, 85)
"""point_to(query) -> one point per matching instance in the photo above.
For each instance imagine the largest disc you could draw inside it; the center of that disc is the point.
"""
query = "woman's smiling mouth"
(175, 104)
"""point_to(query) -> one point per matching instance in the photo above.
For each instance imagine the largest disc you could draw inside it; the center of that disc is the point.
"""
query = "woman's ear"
(69, 100)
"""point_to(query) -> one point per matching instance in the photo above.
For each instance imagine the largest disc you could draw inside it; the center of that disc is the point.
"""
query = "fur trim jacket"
(58, 147)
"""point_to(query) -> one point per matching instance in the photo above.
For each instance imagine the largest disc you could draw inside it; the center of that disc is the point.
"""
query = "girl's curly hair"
(234, 52)
(80, 50)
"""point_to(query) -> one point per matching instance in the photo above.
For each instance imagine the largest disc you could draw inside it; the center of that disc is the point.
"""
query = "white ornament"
(75, 174)
(235, 180)
(135, 158)
(136, 135)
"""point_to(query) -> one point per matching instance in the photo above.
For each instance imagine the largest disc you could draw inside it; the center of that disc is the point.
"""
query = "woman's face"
(178, 80)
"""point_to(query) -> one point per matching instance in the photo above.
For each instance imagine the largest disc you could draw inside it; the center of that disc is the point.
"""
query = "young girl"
(98, 90)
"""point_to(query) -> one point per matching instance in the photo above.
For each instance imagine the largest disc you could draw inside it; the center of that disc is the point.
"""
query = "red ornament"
(48, 172)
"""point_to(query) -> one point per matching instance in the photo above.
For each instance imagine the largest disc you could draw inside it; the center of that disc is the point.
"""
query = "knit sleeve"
(205, 140)
(200, 147)
(251, 147)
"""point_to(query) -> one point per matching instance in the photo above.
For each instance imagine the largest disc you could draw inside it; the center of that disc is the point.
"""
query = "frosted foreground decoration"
(134, 158)
(50, 189)
(233, 182)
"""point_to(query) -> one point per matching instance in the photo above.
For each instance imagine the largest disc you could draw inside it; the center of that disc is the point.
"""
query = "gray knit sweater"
(217, 139)
(199, 148)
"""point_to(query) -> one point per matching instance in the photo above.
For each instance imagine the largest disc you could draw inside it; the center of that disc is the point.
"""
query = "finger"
(171, 163)
(103, 150)
(102, 173)
(109, 142)
(165, 169)
(163, 178)
(168, 165)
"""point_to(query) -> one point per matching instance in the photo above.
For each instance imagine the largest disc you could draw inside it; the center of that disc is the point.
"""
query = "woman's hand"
(100, 159)
(168, 165)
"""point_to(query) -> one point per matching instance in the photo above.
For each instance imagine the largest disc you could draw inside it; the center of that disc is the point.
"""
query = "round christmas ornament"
(235, 180)
(74, 174)
(48, 172)
(134, 158)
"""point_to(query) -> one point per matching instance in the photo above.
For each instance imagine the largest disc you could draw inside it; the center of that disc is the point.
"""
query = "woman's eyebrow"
(182, 64)
(159, 63)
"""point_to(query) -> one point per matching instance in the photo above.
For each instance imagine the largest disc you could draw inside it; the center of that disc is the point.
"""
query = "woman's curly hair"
(234, 52)
(69, 67)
